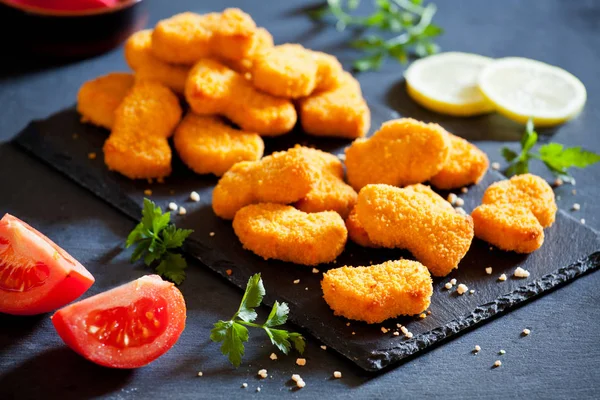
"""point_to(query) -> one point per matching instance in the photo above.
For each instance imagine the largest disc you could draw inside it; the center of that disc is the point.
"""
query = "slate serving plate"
(64, 143)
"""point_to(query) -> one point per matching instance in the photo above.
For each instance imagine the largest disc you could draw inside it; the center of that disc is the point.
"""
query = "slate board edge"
(378, 360)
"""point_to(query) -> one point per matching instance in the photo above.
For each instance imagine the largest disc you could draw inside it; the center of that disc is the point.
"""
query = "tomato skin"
(66, 278)
(72, 325)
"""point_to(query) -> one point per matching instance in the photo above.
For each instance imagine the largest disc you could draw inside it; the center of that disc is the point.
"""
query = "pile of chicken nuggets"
(303, 204)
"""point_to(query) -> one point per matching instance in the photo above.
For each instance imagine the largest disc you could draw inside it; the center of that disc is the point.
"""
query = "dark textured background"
(560, 358)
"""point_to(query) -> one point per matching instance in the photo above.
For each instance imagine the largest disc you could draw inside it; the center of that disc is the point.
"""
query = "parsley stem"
(252, 324)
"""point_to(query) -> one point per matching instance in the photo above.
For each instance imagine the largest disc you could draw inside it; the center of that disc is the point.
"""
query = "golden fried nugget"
(339, 111)
(98, 99)
(285, 233)
(186, 38)
(139, 56)
(213, 88)
(466, 165)
(329, 71)
(330, 192)
(137, 146)
(416, 219)
(378, 292)
(288, 70)
(403, 152)
(515, 212)
(356, 232)
(263, 40)
(209, 146)
(283, 177)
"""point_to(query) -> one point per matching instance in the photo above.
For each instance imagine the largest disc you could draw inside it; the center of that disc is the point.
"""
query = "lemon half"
(448, 83)
(521, 88)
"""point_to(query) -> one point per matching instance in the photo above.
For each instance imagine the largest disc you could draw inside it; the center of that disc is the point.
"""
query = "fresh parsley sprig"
(555, 156)
(154, 238)
(409, 21)
(233, 333)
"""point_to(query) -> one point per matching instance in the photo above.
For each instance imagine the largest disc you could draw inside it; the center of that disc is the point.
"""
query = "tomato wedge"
(36, 276)
(125, 327)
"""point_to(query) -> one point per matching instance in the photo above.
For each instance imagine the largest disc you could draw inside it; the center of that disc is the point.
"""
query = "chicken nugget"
(209, 146)
(339, 111)
(378, 292)
(403, 152)
(98, 99)
(187, 37)
(137, 146)
(466, 165)
(283, 177)
(287, 234)
(416, 219)
(356, 232)
(263, 40)
(515, 212)
(329, 71)
(139, 57)
(213, 88)
(330, 192)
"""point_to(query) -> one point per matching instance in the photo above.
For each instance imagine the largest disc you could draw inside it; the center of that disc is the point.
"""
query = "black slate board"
(555, 263)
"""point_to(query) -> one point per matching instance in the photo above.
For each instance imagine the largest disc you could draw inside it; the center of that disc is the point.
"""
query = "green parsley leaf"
(234, 337)
(508, 154)
(174, 237)
(298, 341)
(366, 63)
(172, 267)
(279, 338)
(278, 315)
(252, 298)
(560, 158)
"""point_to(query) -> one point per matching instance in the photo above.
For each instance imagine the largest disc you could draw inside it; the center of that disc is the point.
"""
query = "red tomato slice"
(36, 276)
(125, 327)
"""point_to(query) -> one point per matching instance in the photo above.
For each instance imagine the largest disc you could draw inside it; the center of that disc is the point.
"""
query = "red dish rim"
(58, 13)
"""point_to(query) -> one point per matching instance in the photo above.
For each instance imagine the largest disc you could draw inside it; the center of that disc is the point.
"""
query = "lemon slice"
(448, 83)
(521, 88)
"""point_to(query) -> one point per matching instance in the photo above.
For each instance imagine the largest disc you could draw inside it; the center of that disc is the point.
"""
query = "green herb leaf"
(252, 298)
(233, 336)
(369, 62)
(529, 138)
(278, 315)
(560, 158)
(508, 154)
(279, 338)
(174, 237)
(298, 341)
(172, 267)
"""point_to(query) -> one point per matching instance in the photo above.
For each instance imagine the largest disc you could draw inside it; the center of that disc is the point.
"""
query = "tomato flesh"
(125, 327)
(36, 275)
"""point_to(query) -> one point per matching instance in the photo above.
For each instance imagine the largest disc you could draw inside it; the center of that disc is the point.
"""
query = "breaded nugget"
(213, 88)
(356, 232)
(288, 70)
(285, 233)
(466, 165)
(403, 152)
(339, 111)
(330, 192)
(514, 213)
(329, 71)
(139, 56)
(137, 146)
(186, 38)
(263, 40)
(283, 177)
(209, 146)
(378, 292)
(98, 99)
(416, 219)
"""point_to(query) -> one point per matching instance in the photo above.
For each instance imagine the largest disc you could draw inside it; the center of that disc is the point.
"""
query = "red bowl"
(68, 33)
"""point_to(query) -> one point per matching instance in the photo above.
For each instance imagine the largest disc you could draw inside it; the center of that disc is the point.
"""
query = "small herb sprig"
(555, 156)
(409, 21)
(233, 333)
(155, 238)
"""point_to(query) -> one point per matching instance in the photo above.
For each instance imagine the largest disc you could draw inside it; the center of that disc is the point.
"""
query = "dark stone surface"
(560, 359)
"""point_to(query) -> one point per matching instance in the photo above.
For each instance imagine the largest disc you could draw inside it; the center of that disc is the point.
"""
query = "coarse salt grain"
(409, 335)
(383, 330)
(488, 270)
(323, 347)
(576, 207)
(448, 285)
(459, 202)
(296, 378)
(244, 385)
(558, 182)
(428, 312)
(477, 348)
(337, 374)
(258, 389)
(404, 330)
(521, 273)
(502, 277)
(194, 196)
(502, 352)
(211, 234)
(462, 289)
(354, 333)
(296, 281)
(396, 333)
(347, 323)
(301, 362)
(453, 281)
(472, 291)
(182, 211)
(262, 373)
(422, 315)
(172, 206)
(497, 363)
(496, 165)
(526, 331)
(300, 384)
(315, 271)
(200, 373)
(582, 220)
(273, 356)
(452, 198)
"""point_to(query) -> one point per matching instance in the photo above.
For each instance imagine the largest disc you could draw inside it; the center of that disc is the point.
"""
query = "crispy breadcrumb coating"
(98, 99)
(378, 292)
(466, 165)
(139, 57)
(285, 233)
(514, 212)
(416, 219)
(187, 37)
(356, 232)
(263, 40)
(403, 152)
(329, 71)
(213, 88)
(282, 177)
(210, 146)
(339, 111)
(330, 192)
(137, 146)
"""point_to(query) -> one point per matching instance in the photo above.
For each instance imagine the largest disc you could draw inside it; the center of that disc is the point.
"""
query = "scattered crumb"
(477, 349)
(496, 165)
(211, 234)
(273, 356)
(521, 273)
(526, 331)
(488, 270)
(244, 385)
(384, 330)
(306, 288)
(582, 220)
(229, 272)
(354, 333)
(452, 198)
(491, 248)
(396, 333)
(422, 315)
(453, 281)
(337, 374)
(409, 335)
(148, 192)
(448, 285)
(323, 347)
(258, 389)
(200, 373)
(92, 156)
(502, 277)
(472, 291)
(461, 211)
(464, 190)
(182, 211)
(399, 326)
(462, 289)
(194, 196)
(301, 362)
(296, 281)
(459, 202)
(172, 206)
(262, 373)
(300, 384)
(296, 378)
(428, 312)
(404, 330)
(497, 363)
(315, 271)
(558, 182)
(502, 352)
(347, 323)
(576, 207)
